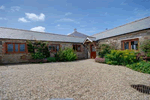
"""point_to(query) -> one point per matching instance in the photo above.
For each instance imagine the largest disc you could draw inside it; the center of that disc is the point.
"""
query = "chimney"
(75, 30)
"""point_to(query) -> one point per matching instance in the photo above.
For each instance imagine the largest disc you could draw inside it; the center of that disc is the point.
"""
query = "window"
(77, 47)
(16, 48)
(22, 47)
(93, 48)
(54, 47)
(130, 44)
(10, 47)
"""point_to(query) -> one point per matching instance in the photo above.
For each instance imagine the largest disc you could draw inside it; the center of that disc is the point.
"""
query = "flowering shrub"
(100, 60)
(119, 57)
(140, 66)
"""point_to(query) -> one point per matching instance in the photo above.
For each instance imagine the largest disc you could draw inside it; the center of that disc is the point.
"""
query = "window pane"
(54, 48)
(134, 45)
(74, 47)
(126, 45)
(50, 48)
(22, 47)
(57, 48)
(79, 48)
(93, 48)
(10, 47)
(16, 47)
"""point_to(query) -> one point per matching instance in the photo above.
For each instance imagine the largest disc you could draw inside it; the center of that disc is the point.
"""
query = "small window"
(54, 47)
(15, 48)
(77, 47)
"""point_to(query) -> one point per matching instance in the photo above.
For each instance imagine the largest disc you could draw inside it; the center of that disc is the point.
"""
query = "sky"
(62, 16)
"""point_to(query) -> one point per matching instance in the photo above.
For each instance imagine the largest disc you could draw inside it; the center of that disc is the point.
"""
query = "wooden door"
(93, 51)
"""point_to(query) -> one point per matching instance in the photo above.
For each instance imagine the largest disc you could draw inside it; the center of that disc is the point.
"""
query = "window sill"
(15, 52)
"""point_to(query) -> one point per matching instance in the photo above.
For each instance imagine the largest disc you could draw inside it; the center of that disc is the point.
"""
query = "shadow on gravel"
(142, 88)
(26, 63)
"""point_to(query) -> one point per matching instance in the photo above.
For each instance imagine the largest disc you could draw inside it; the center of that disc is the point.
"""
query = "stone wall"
(24, 57)
(142, 35)
(80, 55)
(12, 58)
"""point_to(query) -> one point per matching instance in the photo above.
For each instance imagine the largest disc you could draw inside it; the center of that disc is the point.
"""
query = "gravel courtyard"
(81, 80)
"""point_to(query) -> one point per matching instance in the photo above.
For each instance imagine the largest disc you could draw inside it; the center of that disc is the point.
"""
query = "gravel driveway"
(81, 80)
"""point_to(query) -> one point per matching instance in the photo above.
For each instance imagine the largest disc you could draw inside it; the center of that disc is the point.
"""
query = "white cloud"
(2, 18)
(2, 7)
(68, 13)
(38, 28)
(68, 20)
(15, 8)
(35, 17)
(23, 20)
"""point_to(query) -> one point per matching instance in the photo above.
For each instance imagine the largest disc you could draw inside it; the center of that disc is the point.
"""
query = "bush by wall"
(145, 46)
(119, 57)
(67, 54)
(141, 66)
(51, 59)
(104, 49)
(38, 50)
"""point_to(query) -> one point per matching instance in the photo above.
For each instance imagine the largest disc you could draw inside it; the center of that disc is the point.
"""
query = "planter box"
(37, 60)
(146, 58)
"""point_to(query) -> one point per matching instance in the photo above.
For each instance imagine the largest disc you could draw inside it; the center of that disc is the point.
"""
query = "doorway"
(93, 51)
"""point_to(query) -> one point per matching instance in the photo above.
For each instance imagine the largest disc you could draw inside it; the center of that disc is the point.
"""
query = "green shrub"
(51, 59)
(37, 55)
(38, 50)
(67, 54)
(104, 49)
(148, 54)
(140, 66)
(30, 47)
(119, 57)
(145, 46)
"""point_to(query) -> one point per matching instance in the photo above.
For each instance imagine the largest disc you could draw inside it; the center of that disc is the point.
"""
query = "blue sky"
(62, 16)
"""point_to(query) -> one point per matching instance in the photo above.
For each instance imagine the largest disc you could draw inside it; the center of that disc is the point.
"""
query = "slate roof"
(78, 34)
(9, 33)
(129, 27)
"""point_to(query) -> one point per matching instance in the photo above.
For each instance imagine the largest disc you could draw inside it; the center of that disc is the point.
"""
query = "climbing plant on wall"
(38, 49)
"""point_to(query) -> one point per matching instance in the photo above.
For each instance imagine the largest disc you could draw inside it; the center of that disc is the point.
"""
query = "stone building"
(13, 47)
